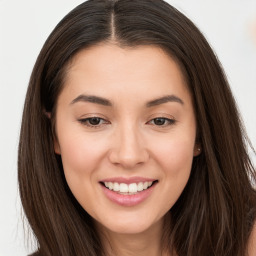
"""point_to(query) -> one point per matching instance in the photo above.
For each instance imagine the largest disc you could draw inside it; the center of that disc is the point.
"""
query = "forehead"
(109, 70)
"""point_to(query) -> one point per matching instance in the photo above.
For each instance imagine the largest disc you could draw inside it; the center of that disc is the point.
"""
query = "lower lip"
(128, 200)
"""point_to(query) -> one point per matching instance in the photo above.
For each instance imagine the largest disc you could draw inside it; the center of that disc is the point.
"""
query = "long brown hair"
(216, 211)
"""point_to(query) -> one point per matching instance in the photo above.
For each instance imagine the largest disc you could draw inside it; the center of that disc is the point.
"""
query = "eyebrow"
(106, 102)
(164, 99)
(92, 99)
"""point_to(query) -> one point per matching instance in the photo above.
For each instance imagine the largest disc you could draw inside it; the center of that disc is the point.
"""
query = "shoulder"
(252, 242)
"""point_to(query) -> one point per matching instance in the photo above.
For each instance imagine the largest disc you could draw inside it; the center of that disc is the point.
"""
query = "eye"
(93, 121)
(162, 121)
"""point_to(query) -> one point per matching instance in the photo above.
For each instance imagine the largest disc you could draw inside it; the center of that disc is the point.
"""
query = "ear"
(56, 146)
(55, 142)
(48, 114)
(197, 149)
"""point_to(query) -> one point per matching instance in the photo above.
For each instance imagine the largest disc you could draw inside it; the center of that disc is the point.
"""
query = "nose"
(128, 148)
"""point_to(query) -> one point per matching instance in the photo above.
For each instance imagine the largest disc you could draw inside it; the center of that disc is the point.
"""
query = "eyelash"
(167, 121)
(101, 121)
(86, 121)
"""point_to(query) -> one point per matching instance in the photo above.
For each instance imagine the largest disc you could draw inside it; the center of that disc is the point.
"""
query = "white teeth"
(128, 188)
(133, 188)
(116, 187)
(110, 185)
(140, 186)
(145, 185)
(123, 188)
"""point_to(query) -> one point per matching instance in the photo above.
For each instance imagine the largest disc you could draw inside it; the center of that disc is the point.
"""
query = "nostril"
(129, 151)
(128, 159)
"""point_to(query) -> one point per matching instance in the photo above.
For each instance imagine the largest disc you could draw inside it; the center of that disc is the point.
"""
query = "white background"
(25, 25)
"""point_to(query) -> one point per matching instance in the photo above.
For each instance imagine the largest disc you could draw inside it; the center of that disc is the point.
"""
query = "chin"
(128, 229)
(129, 225)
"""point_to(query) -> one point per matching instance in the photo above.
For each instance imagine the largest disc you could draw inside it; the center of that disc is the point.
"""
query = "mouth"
(128, 189)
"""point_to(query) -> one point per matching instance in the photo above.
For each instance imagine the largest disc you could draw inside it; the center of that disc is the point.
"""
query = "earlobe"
(56, 143)
(48, 114)
(56, 146)
(197, 149)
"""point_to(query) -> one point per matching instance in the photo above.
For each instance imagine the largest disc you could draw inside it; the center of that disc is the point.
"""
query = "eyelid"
(92, 115)
(85, 121)
(161, 115)
(171, 120)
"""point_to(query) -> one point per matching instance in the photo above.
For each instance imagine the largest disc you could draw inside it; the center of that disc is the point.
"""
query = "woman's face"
(126, 132)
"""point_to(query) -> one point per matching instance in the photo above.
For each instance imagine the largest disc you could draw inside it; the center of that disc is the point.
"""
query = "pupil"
(159, 121)
(94, 120)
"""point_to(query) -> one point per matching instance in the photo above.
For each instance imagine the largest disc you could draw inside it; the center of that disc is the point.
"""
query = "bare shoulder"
(252, 242)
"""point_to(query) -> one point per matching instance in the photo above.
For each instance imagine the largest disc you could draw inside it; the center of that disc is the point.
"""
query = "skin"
(127, 141)
(252, 242)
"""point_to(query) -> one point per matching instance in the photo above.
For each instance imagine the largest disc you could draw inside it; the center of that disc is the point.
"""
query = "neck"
(146, 243)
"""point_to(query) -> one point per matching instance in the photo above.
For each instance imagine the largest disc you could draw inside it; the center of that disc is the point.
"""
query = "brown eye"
(161, 121)
(94, 120)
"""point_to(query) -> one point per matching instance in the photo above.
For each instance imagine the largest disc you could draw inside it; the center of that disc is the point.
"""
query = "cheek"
(175, 154)
(175, 159)
(81, 164)
(80, 156)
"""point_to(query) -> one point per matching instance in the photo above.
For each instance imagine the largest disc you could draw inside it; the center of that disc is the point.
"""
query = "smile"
(129, 192)
(128, 189)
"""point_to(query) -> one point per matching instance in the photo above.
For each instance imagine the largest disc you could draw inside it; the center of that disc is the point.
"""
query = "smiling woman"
(127, 138)
(127, 142)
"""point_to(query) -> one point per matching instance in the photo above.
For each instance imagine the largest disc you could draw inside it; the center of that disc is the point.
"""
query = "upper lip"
(127, 180)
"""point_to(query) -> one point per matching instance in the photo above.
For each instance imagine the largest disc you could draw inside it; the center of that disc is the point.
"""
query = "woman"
(131, 143)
